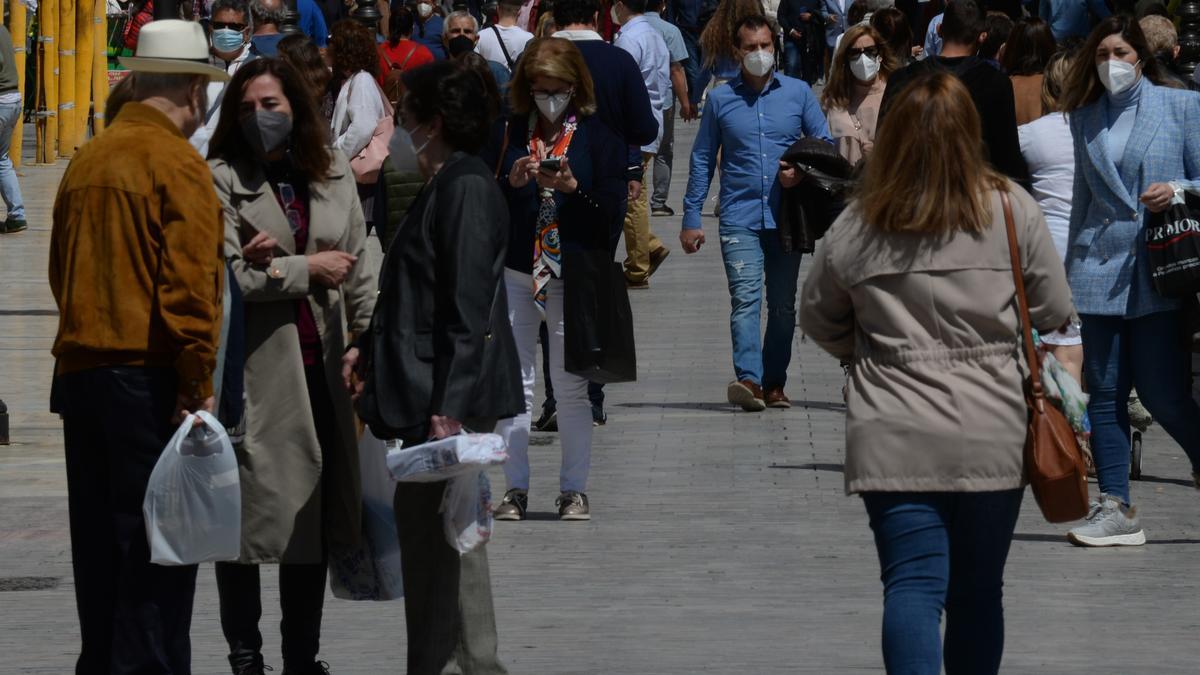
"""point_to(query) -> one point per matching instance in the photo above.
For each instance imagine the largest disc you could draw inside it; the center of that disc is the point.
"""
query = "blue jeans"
(695, 72)
(749, 255)
(10, 189)
(1145, 352)
(943, 550)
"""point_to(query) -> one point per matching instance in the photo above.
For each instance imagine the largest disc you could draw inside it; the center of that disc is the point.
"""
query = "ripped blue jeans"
(754, 258)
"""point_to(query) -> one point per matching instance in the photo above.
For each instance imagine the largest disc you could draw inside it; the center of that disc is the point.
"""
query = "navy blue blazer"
(1107, 263)
(588, 217)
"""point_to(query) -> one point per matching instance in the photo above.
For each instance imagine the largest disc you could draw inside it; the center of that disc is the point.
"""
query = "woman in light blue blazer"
(1133, 136)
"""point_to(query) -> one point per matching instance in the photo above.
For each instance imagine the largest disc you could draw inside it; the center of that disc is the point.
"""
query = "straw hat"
(173, 46)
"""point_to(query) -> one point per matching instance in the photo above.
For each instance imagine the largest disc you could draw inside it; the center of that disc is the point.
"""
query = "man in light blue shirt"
(644, 251)
(750, 122)
(677, 49)
(1072, 18)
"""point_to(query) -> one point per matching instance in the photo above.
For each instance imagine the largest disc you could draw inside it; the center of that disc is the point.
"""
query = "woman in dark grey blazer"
(439, 354)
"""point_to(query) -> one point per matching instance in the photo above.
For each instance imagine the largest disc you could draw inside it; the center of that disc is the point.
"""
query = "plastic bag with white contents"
(442, 460)
(467, 511)
(193, 502)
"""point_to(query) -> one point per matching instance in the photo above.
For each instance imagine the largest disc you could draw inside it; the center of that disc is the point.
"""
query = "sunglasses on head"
(854, 53)
(239, 27)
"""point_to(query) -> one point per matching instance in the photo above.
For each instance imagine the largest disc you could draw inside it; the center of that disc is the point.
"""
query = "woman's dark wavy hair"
(352, 48)
(309, 144)
(1029, 47)
(1083, 84)
(458, 93)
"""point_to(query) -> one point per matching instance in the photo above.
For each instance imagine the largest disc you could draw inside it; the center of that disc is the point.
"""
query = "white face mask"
(552, 107)
(758, 62)
(612, 13)
(403, 153)
(1117, 75)
(424, 9)
(865, 68)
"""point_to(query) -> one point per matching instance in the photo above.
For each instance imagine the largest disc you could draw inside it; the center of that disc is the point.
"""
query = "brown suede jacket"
(136, 263)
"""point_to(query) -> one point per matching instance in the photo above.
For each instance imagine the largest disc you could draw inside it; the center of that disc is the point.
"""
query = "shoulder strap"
(410, 55)
(384, 54)
(1035, 377)
(503, 47)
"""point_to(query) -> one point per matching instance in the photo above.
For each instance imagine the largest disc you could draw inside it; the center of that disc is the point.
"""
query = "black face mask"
(460, 45)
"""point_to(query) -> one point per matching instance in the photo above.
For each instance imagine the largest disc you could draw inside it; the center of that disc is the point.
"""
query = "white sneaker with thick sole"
(1109, 523)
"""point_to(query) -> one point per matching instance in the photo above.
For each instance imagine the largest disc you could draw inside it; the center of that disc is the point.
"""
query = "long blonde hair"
(719, 38)
(837, 89)
(1054, 80)
(557, 58)
(912, 185)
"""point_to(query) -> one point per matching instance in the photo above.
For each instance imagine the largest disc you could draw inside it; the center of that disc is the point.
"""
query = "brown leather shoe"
(747, 395)
(777, 399)
(657, 256)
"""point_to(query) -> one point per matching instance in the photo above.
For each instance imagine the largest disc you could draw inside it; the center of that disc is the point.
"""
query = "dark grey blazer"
(440, 342)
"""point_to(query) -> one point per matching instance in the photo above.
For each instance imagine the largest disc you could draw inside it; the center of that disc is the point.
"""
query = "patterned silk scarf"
(547, 247)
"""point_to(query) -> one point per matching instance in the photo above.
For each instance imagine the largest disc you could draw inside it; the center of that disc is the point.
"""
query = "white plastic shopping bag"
(460, 460)
(371, 570)
(442, 460)
(467, 511)
(193, 502)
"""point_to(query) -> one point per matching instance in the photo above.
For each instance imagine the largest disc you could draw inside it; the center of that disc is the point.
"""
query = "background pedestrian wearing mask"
(295, 237)
(553, 211)
(751, 121)
(1133, 135)
(852, 96)
(440, 358)
(913, 286)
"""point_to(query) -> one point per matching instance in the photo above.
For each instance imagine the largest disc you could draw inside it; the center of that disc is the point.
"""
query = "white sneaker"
(1109, 523)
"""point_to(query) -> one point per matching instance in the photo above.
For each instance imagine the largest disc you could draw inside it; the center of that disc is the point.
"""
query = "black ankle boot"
(250, 663)
(309, 668)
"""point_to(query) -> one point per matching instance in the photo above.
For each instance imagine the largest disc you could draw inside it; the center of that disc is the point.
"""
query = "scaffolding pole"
(19, 32)
(67, 141)
(47, 112)
(85, 32)
(99, 65)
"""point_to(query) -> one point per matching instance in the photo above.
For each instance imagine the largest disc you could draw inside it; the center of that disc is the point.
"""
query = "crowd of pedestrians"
(499, 153)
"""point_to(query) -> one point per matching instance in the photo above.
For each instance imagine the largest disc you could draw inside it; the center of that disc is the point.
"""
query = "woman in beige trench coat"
(294, 236)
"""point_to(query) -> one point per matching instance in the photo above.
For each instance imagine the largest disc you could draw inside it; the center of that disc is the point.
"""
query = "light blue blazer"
(1107, 263)
(830, 8)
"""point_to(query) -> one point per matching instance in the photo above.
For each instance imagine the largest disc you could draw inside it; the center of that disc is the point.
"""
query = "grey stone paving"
(722, 541)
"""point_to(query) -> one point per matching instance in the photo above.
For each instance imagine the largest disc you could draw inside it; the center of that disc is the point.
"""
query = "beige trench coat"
(296, 499)
(935, 399)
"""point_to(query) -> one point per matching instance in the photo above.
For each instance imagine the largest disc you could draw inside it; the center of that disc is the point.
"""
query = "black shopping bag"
(598, 322)
(1173, 243)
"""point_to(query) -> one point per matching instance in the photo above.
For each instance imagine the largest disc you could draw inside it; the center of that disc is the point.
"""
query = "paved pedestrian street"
(721, 541)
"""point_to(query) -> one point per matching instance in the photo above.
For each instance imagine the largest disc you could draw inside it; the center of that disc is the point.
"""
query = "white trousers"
(570, 391)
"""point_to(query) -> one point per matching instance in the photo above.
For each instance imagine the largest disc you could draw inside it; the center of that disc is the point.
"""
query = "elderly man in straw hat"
(137, 272)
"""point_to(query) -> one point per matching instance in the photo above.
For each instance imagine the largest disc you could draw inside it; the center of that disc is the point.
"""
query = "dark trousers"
(447, 598)
(943, 550)
(301, 599)
(301, 586)
(134, 616)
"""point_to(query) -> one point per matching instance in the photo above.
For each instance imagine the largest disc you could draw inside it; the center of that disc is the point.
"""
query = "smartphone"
(551, 164)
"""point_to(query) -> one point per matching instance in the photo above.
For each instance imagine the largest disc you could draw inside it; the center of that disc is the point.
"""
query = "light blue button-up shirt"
(752, 130)
(675, 45)
(647, 46)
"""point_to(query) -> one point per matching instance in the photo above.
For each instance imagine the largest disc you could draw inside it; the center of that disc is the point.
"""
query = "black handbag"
(1173, 244)
(598, 321)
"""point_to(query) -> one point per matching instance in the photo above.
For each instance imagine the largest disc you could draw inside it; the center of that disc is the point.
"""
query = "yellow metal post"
(99, 63)
(18, 29)
(85, 32)
(48, 110)
(66, 78)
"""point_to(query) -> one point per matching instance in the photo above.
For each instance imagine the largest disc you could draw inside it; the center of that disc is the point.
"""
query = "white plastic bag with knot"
(193, 503)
